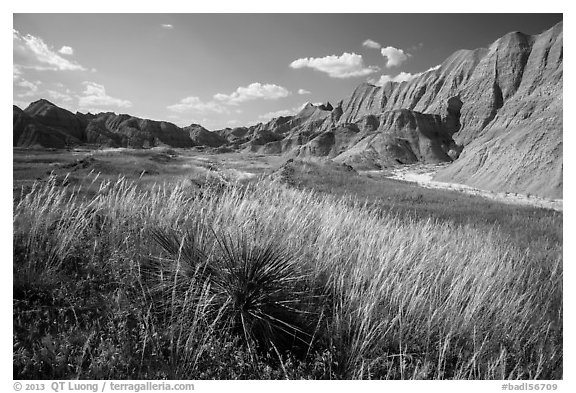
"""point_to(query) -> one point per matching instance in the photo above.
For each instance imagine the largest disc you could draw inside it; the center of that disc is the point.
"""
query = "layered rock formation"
(44, 124)
(29, 132)
(56, 118)
(200, 136)
(520, 149)
(399, 137)
(127, 131)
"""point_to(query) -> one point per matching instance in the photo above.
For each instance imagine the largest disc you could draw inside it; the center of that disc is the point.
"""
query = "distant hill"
(44, 124)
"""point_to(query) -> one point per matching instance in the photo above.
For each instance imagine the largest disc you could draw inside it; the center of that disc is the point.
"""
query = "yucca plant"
(175, 282)
(256, 288)
(191, 251)
(264, 291)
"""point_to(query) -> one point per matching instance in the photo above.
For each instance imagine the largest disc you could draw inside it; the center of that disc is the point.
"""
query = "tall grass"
(186, 279)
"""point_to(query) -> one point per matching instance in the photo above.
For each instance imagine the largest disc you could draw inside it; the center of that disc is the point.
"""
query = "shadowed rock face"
(202, 137)
(520, 148)
(47, 125)
(399, 137)
(44, 124)
(375, 140)
(28, 132)
(56, 118)
(127, 131)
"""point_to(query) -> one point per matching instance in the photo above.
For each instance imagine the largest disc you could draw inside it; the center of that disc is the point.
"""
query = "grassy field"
(314, 272)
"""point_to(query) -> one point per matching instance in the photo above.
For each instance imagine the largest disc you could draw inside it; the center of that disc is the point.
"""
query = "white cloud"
(303, 91)
(272, 115)
(346, 65)
(167, 26)
(16, 72)
(94, 97)
(26, 89)
(20, 104)
(284, 112)
(433, 68)
(58, 96)
(32, 52)
(395, 56)
(401, 77)
(252, 92)
(371, 44)
(66, 50)
(22, 87)
(30, 87)
(195, 104)
(233, 122)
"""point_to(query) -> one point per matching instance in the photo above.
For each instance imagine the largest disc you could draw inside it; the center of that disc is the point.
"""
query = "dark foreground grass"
(266, 281)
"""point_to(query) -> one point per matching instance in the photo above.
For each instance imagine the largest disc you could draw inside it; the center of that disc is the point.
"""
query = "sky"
(228, 70)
